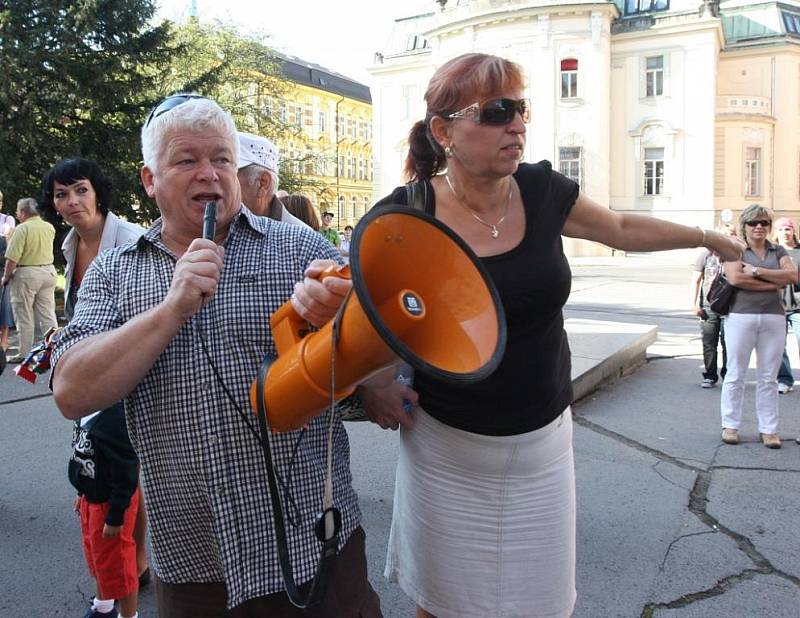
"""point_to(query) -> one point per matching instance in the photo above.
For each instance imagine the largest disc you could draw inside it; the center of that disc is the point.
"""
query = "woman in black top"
(484, 519)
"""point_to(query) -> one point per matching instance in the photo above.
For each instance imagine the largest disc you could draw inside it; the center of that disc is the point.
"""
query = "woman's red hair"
(458, 83)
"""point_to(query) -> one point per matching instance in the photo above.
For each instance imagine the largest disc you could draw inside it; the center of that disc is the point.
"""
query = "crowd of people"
(490, 463)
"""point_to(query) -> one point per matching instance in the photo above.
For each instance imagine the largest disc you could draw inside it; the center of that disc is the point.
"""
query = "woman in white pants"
(756, 322)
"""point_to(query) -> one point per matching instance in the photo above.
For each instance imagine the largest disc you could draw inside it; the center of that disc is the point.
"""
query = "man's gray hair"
(253, 172)
(195, 115)
(28, 205)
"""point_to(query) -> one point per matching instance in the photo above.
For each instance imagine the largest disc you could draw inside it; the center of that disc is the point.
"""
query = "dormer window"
(792, 22)
(632, 7)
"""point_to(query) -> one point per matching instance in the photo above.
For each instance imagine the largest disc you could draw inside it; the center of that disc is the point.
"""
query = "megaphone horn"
(420, 293)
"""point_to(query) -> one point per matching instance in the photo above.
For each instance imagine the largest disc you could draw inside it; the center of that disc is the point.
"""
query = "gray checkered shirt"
(202, 469)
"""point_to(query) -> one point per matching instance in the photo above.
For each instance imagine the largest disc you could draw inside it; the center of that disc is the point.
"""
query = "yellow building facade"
(331, 141)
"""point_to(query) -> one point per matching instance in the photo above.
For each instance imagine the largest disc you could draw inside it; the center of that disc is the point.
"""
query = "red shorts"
(112, 561)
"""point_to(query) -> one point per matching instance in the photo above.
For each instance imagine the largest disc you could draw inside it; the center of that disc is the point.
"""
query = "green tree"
(75, 81)
(244, 76)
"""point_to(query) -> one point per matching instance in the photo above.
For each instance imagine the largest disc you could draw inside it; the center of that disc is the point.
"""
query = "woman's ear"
(441, 130)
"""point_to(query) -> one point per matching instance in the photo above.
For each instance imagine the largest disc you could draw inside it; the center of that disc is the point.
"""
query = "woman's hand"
(384, 404)
(111, 531)
(729, 248)
(748, 269)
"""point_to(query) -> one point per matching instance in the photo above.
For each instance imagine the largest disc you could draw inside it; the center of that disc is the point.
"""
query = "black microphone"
(210, 220)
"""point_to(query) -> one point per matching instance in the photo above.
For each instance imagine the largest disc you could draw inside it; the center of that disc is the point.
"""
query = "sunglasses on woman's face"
(170, 103)
(496, 112)
(761, 222)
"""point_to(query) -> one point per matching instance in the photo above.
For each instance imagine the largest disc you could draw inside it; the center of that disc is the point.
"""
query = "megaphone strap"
(328, 522)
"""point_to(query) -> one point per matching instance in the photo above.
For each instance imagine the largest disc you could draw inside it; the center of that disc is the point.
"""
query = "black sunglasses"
(761, 222)
(171, 102)
(497, 112)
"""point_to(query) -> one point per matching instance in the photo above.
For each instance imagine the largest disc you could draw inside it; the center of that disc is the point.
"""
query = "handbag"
(720, 294)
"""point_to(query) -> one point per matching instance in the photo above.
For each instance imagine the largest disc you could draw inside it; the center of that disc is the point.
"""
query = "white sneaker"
(783, 388)
(707, 383)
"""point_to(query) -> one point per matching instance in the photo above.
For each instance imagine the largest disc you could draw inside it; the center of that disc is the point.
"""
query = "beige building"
(331, 138)
(678, 108)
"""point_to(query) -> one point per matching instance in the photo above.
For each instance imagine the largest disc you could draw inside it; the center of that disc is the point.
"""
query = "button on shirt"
(203, 470)
(32, 243)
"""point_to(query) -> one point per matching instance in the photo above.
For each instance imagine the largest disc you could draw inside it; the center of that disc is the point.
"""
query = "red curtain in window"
(570, 64)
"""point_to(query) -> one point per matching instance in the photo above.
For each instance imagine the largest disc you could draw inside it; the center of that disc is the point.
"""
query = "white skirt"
(484, 526)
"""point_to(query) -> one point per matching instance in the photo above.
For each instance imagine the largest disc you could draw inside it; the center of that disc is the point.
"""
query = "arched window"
(569, 78)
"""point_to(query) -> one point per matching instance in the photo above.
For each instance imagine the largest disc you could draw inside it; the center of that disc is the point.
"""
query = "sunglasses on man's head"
(761, 222)
(497, 112)
(171, 102)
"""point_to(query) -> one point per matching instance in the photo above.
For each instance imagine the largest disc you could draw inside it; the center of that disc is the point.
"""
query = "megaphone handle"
(287, 326)
(342, 272)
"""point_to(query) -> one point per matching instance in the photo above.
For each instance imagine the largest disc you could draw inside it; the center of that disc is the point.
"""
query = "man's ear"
(265, 183)
(146, 174)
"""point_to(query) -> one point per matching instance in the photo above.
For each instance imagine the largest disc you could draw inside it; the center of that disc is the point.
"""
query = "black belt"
(33, 265)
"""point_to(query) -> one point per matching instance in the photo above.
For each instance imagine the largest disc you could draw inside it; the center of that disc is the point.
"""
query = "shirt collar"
(243, 219)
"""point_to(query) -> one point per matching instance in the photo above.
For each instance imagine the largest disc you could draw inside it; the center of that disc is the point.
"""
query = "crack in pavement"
(28, 398)
(675, 540)
(698, 499)
(719, 588)
(670, 481)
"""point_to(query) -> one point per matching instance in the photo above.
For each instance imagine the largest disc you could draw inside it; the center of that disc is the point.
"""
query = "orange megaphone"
(420, 293)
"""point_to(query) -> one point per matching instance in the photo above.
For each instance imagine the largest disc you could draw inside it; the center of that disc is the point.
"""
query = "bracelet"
(703, 239)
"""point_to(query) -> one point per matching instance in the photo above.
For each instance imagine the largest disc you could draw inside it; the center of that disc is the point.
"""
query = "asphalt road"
(670, 522)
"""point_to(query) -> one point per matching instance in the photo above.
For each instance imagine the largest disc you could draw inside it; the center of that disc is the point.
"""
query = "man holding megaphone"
(176, 325)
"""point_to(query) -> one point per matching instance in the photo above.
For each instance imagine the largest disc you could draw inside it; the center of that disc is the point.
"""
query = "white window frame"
(571, 81)
(657, 74)
(752, 171)
(653, 169)
(571, 167)
(408, 95)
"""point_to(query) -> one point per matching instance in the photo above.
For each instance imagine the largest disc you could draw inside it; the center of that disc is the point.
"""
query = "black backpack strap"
(417, 194)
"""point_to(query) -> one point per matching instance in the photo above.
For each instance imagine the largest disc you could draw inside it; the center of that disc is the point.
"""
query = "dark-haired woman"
(77, 192)
(484, 508)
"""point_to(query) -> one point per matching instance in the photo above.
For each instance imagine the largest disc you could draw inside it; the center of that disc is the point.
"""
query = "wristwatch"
(755, 271)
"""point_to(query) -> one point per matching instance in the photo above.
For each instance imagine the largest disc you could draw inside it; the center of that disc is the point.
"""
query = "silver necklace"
(495, 232)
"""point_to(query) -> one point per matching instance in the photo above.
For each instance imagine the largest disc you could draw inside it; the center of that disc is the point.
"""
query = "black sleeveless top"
(532, 384)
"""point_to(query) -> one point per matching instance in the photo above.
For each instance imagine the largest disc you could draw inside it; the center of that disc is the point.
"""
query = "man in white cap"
(258, 177)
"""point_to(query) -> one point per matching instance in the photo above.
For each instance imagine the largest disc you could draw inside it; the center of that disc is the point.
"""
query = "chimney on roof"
(712, 6)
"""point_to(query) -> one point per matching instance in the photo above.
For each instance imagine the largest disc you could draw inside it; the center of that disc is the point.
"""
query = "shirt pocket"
(245, 304)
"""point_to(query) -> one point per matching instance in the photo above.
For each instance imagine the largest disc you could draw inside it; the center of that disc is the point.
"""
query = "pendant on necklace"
(495, 232)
